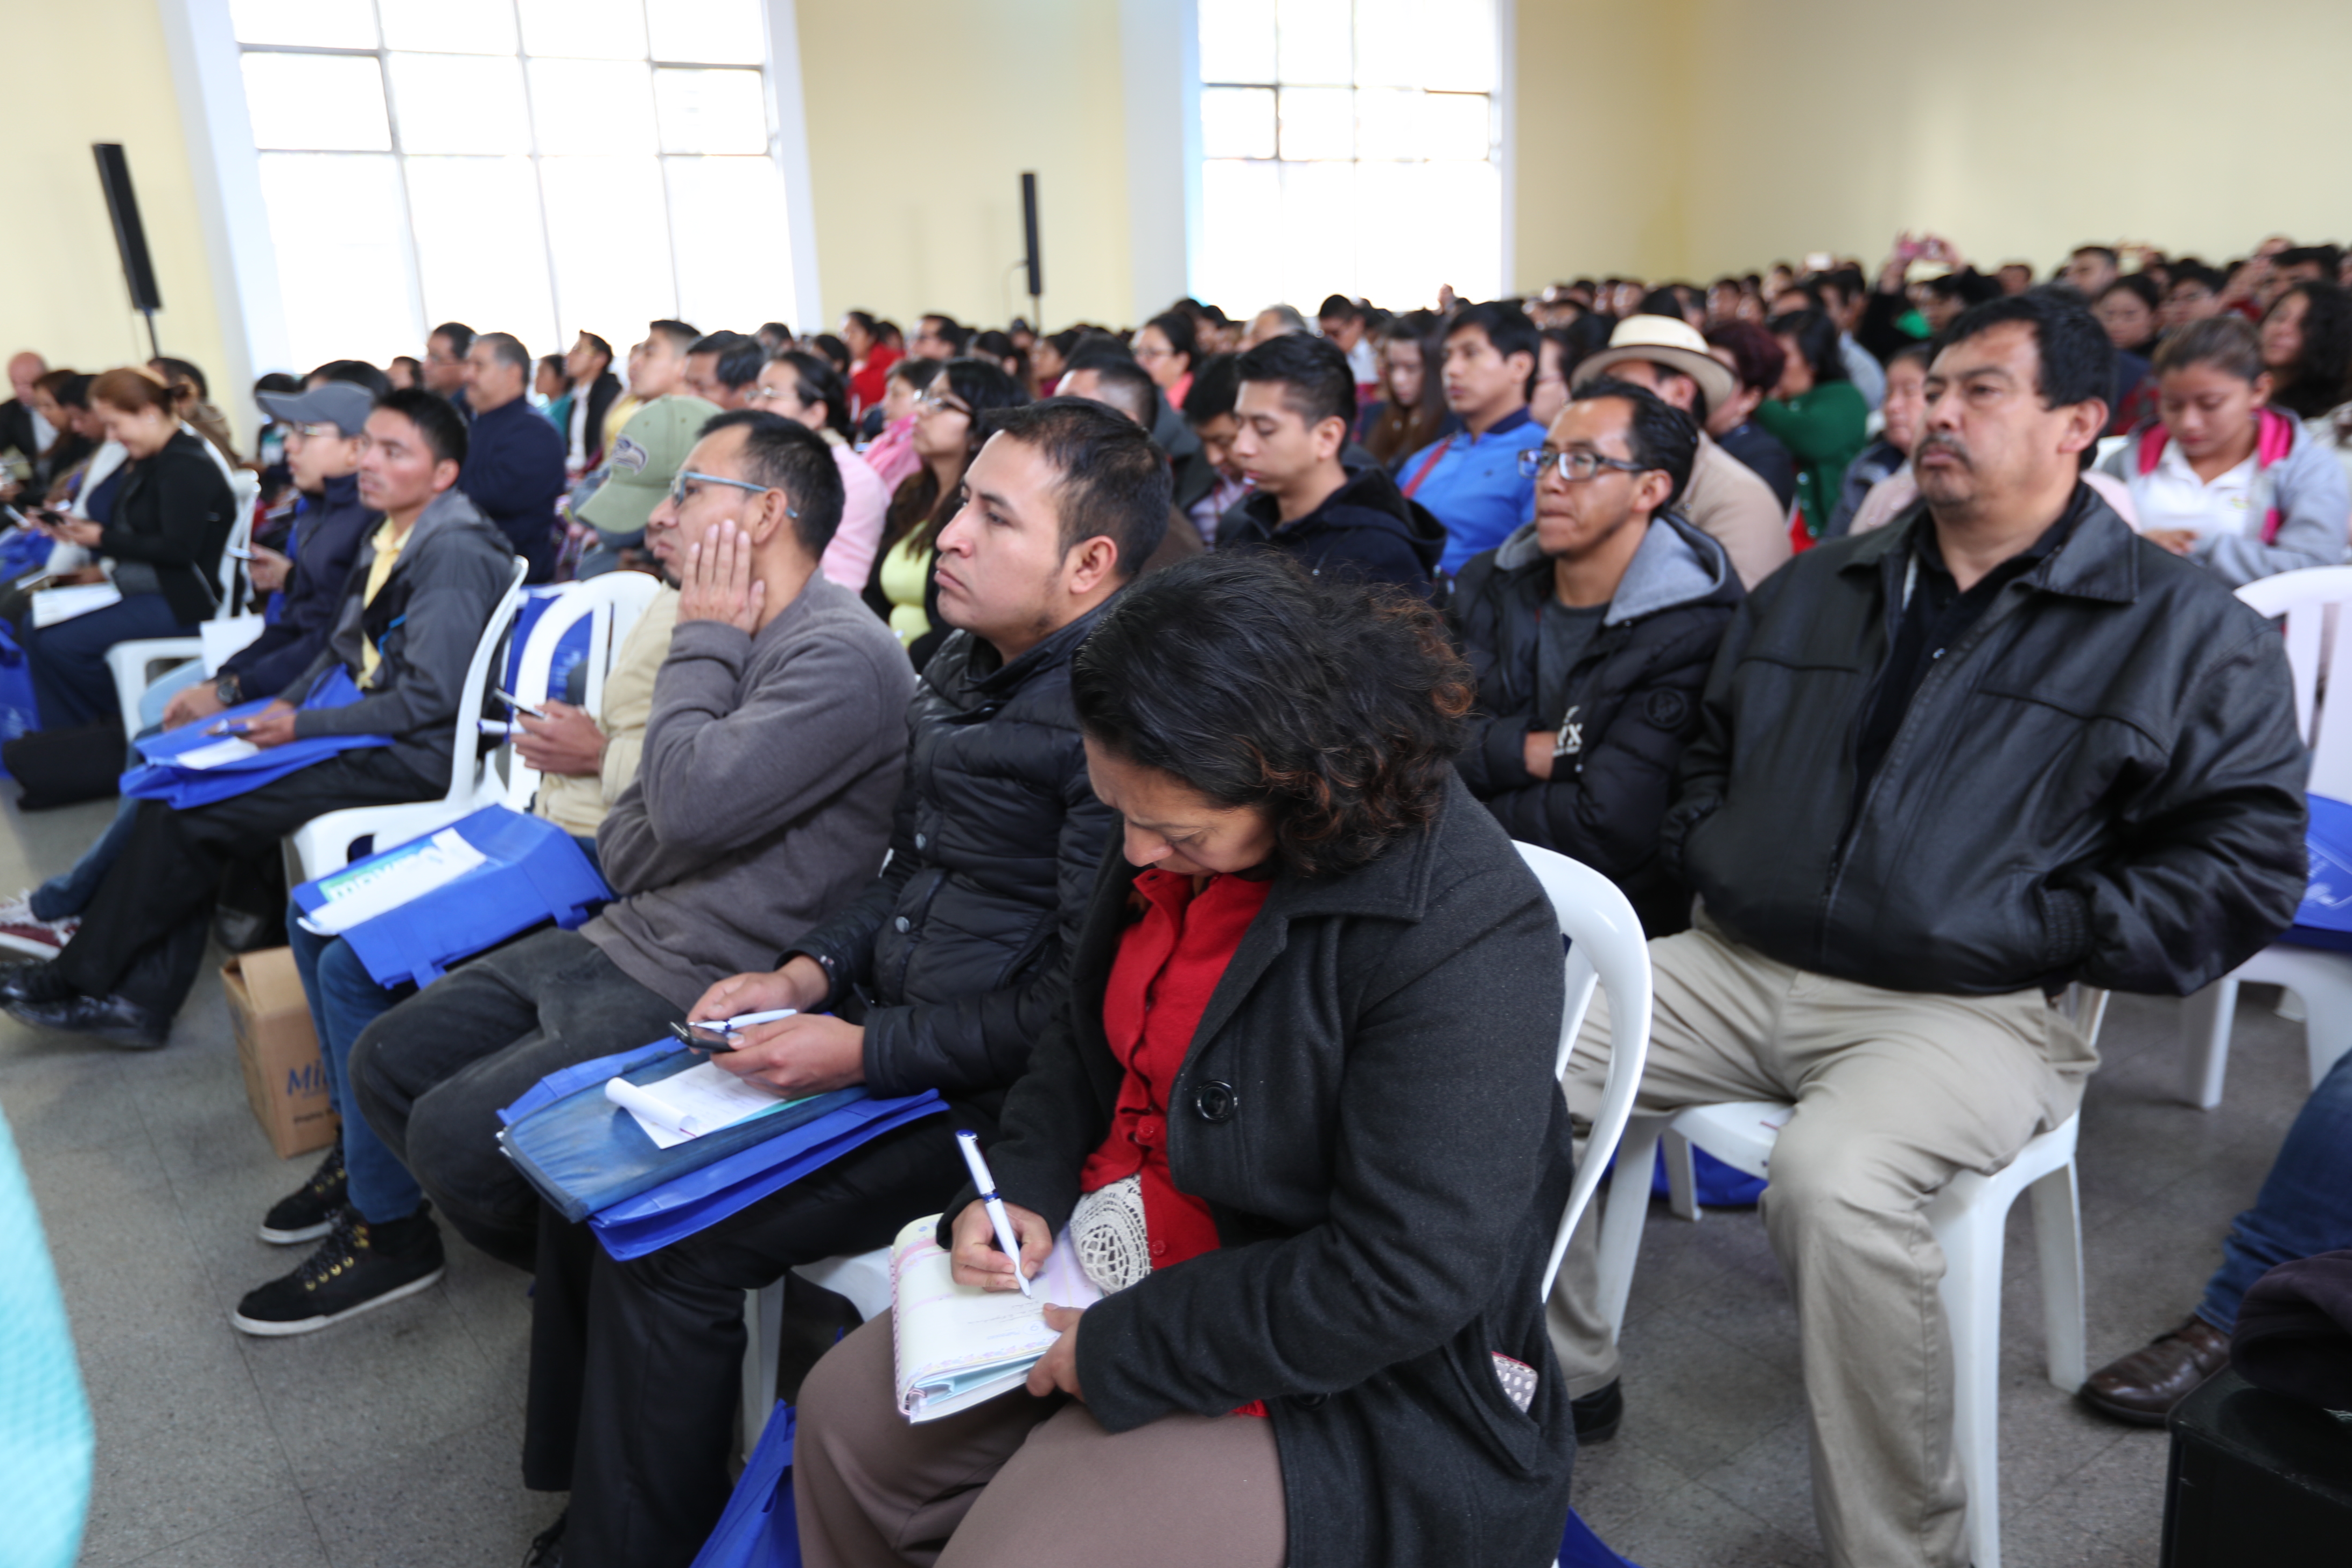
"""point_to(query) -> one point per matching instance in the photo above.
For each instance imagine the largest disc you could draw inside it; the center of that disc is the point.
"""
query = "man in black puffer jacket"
(1590, 631)
(1297, 401)
(937, 976)
(1944, 770)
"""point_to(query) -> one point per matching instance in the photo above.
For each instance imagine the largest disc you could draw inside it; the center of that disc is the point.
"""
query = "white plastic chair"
(134, 664)
(1605, 949)
(2319, 655)
(1970, 1220)
(325, 843)
(611, 604)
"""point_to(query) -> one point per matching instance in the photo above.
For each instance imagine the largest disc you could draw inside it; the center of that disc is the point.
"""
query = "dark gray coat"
(1369, 1110)
(451, 574)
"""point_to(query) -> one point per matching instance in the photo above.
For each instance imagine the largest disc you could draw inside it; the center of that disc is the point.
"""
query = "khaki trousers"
(1896, 1092)
(1019, 1482)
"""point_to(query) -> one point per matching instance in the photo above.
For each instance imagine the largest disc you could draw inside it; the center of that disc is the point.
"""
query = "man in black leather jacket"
(937, 976)
(1944, 770)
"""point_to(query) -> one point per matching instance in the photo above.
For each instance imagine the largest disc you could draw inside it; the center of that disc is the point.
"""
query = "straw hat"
(1663, 340)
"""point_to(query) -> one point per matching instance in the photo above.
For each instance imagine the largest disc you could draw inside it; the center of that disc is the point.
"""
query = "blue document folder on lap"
(588, 1157)
(411, 910)
(196, 764)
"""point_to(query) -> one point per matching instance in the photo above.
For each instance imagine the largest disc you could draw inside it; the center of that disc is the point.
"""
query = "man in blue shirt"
(514, 463)
(1471, 479)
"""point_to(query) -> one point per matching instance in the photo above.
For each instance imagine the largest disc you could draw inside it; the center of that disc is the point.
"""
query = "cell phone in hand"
(517, 703)
(702, 1037)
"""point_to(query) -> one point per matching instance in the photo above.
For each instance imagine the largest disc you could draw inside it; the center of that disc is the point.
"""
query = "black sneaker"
(1597, 1412)
(359, 1266)
(309, 1212)
(546, 1549)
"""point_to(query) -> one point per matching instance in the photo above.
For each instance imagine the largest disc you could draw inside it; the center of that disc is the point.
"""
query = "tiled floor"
(394, 1441)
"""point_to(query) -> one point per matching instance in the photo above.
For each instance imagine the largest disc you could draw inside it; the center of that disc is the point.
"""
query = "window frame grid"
(381, 54)
(1497, 155)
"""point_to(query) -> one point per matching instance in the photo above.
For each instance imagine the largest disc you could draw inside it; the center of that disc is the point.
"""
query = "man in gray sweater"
(762, 803)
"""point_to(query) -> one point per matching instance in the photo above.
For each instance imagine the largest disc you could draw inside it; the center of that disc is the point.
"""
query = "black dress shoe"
(117, 1020)
(35, 980)
(1597, 1412)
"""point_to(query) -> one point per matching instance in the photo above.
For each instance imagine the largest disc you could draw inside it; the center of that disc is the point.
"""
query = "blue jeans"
(344, 999)
(2305, 1205)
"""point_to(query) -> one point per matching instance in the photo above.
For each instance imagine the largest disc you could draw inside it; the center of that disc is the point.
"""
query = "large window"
(533, 167)
(1349, 146)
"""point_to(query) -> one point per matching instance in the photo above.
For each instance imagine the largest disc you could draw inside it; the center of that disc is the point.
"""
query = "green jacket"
(1826, 429)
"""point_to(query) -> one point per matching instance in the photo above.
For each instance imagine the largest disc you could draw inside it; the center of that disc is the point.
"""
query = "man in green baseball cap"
(643, 459)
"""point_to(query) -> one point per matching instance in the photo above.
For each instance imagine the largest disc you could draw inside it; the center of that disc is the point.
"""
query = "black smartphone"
(517, 703)
(703, 1039)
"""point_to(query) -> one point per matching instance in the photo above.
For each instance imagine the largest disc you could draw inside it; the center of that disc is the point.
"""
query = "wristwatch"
(225, 691)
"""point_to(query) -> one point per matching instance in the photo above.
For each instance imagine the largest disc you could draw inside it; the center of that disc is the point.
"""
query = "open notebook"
(958, 1346)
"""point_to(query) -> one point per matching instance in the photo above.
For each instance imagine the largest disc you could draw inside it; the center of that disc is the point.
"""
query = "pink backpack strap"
(2151, 447)
(2273, 439)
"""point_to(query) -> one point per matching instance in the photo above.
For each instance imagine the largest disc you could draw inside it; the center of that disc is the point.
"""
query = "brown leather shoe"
(2143, 1387)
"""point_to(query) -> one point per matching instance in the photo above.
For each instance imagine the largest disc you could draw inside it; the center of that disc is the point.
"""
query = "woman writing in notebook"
(1298, 1122)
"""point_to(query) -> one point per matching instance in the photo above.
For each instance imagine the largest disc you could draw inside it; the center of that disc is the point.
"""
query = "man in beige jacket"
(586, 760)
(1724, 498)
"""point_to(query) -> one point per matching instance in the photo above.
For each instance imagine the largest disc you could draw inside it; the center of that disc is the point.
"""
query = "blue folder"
(161, 777)
(2326, 918)
(534, 873)
(587, 1156)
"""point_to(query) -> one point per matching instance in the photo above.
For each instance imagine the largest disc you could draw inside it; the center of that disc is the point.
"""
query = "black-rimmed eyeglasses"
(1577, 468)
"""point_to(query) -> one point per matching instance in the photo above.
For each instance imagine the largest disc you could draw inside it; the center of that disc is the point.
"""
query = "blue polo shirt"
(1474, 485)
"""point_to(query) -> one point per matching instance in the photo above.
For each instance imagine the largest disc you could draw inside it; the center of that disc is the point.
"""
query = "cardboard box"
(279, 1049)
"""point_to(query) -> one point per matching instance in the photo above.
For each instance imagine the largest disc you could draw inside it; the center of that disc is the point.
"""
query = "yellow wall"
(1595, 155)
(1721, 135)
(922, 115)
(95, 70)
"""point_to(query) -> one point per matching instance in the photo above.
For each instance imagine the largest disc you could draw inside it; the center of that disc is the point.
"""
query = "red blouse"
(1167, 966)
(1168, 963)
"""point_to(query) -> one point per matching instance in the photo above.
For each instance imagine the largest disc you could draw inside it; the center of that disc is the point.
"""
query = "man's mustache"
(1944, 444)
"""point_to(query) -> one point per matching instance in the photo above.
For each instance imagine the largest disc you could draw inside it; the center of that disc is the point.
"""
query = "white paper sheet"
(364, 892)
(703, 1098)
(228, 749)
(51, 605)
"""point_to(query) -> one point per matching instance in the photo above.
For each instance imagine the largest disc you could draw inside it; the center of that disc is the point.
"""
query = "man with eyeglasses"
(445, 348)
(762, 802)
(1590, 631)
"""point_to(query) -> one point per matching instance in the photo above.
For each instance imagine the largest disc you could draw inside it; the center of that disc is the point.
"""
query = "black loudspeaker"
(1029, 231)
(130, 234)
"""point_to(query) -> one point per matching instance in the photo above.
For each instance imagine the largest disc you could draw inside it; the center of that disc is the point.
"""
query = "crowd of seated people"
(1124, 736)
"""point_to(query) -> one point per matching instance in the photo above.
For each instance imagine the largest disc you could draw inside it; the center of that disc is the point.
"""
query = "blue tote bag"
(167, 776)
(18, 716)
(760, 1528)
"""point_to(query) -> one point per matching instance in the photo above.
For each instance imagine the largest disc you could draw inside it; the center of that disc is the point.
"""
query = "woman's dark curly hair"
(1336, 706)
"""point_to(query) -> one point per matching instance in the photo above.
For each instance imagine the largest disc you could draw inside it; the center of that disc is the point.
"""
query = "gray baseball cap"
(343, 403)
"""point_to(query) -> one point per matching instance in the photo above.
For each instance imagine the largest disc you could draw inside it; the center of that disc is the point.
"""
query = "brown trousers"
(1018, 1482)
(1896, 1092)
